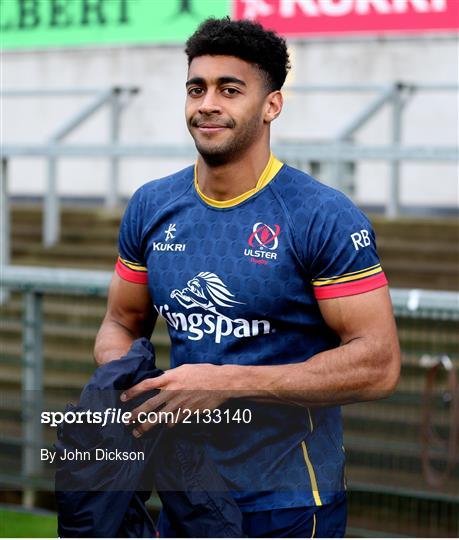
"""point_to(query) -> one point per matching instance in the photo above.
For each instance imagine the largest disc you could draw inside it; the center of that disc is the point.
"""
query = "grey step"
(428, 268)
(428, 247)
(67, 251)
(99, 234)
(403, 482)
(443, 229)
(380, 512)
(65, 333)
(392, 420)
(382, 445)
(446, 257)
(36, 260)
(68, 215)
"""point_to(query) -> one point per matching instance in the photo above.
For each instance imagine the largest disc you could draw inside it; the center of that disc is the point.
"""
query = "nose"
(209, 103)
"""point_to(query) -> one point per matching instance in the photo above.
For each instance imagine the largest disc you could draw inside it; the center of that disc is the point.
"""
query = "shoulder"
(161, 191)
(309, 201)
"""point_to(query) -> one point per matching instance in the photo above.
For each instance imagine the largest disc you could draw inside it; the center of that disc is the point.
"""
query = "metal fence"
(334, 154)
(114, 99)
(402, 452)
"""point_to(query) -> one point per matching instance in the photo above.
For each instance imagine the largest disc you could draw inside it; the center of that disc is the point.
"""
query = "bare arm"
(366, 366)
(129, 316)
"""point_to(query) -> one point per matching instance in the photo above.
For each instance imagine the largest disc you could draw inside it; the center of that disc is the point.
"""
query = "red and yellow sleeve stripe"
(349, 284)
(130, 271)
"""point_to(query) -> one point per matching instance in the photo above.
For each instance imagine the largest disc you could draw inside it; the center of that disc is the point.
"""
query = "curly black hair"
(246, 40)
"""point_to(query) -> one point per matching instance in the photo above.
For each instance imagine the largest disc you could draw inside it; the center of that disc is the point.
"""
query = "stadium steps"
(400, 482)
(95, 255)
(426, 275)
(385, 416)
(419, 252)
(76, 233)
(399, 452)
(61, 263)
(63, 333)
(399, 512)
(32, 213)
(420, 229)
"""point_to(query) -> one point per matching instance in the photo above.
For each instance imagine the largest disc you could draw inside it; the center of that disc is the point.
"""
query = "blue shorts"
(327, 521)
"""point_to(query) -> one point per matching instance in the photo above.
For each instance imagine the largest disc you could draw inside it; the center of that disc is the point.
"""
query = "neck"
(229, 180)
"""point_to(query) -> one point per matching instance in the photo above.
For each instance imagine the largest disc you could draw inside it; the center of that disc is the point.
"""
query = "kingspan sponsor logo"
(207, 292)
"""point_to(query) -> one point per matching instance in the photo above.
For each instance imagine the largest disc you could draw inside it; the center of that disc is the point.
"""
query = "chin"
(214, 158)
(213, 151)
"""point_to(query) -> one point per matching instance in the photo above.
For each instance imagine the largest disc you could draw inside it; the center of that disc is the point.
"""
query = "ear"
(273, 106)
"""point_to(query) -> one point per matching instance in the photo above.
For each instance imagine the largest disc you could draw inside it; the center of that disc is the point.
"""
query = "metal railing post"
(367, 113)
(51, 210)
(393, 203)
(5, 245)
(112, 196)
(32, 388)
(347, 133)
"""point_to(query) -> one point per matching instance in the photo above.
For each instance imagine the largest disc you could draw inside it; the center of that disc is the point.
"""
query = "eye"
(195, 91)
(230, 91)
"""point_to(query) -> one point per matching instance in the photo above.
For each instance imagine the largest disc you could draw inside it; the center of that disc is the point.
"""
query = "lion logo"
(207, 291)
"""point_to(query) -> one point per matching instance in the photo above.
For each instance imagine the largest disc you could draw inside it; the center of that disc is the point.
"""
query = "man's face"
(224, 106)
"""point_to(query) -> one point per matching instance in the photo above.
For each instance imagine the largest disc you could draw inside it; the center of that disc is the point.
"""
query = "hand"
(188, 387)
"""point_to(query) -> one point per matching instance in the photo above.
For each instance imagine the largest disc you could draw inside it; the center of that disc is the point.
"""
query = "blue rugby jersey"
(237, 283)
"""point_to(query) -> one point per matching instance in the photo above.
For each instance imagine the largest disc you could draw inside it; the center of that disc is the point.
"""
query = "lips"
(211, 128)
(209, 125)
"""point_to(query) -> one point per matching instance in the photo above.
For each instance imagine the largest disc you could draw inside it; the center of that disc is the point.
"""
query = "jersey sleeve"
(131, 265)
(342, 251)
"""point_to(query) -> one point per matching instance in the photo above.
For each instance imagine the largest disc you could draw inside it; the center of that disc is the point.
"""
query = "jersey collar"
(272, 168)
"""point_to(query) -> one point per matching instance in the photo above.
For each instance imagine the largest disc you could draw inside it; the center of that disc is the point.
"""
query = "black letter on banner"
(29, 16)
(185, 7)
(58, 8)
(7, 24)
(94, 6)
(124, 17)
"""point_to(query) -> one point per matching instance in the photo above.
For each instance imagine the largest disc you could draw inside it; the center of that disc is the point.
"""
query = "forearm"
(112, 341)
(360, 370)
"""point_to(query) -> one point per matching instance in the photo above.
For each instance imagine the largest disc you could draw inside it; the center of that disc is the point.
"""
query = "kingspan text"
(197, 324)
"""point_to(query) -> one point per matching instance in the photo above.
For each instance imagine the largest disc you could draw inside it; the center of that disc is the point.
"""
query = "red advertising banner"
(310, 17)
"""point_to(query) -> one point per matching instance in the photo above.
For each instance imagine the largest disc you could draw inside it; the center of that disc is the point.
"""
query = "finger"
(171, 412)
(179, 411)
(162, 380)
(151, 404)
(142, 387)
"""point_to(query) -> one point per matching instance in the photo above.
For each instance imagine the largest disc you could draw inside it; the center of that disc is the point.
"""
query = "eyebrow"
(221, 80)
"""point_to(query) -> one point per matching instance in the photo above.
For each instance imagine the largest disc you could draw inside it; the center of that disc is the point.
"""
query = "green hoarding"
(69, 23)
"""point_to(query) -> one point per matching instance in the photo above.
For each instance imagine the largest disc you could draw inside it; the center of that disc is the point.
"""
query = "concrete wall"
(156, 115)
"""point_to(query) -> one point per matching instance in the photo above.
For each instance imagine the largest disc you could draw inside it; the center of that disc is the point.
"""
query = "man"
(271, 288)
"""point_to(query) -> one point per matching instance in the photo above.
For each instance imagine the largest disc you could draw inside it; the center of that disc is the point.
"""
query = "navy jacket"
(105, 498)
